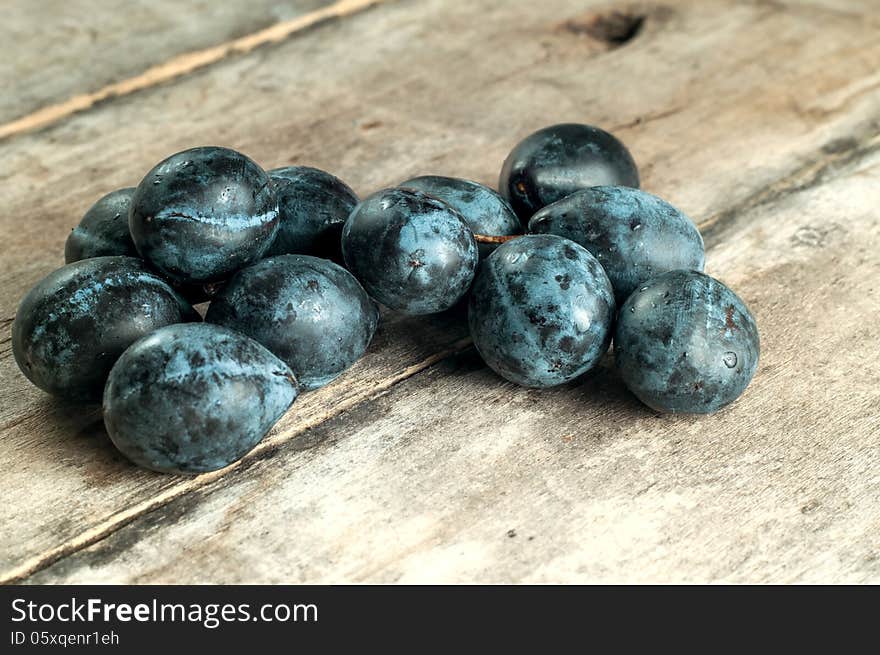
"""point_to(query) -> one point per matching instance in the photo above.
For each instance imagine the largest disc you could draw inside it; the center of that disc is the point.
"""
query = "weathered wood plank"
(722, 125)
(503, 484)
(86, 487)
(857, 9)
(56, 49)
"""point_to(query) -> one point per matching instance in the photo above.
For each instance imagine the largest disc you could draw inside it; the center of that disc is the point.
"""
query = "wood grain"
(70, 54)
(504, 484)
(91, 490)
(727, 106)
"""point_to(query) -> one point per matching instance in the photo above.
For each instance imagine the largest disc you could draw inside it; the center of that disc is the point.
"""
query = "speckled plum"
(103, 230)
(71, 327)
(484, 210)
(310, 312)
(203, 213)
(558, 160)
(633, 234)
(541, 310)
(411, 251)
(194, 398)
(684, 342)
(313, 205)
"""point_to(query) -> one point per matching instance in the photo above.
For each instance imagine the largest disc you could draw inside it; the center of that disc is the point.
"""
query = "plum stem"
(486, 238)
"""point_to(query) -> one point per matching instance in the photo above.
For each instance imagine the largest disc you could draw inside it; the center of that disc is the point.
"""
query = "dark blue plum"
(312, 208)
(483, 209)
(310, 312)
(541, 310)
(103, 230)
(558, 160)
(686, 343)
(411, 251)
(202, 214)
(194, 398)
(633, 234)
(71, 327)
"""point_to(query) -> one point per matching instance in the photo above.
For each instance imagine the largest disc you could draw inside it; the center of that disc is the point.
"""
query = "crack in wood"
(265, 448)
(834, 158)
(644, 120)
(183, 65)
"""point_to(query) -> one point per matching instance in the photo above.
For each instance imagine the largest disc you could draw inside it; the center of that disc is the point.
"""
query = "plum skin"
(103, 229)
(310, 312)
(541, 311)
(558, 160)
(193, 398)
(633, 234)
(411, 252)
(203, 213)
(72, 326)
(685, 342)
(483, 209)
(313, 205)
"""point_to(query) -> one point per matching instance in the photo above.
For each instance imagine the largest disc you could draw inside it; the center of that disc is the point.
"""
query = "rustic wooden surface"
(58, 49)
(760, 119)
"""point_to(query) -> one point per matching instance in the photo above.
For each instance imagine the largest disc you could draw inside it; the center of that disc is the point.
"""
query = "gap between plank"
(182, 65)
(813, 173)
(793, 182)
(119, 519)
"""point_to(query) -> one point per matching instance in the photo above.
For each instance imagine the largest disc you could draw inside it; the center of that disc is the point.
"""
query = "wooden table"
(760, 119)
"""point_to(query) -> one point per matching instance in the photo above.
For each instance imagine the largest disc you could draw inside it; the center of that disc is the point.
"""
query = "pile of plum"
(568, 256)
